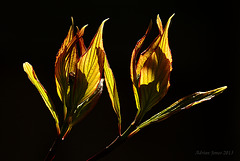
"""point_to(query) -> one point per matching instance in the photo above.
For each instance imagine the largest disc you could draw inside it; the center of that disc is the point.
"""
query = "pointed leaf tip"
(220, 89)
(90, 68)
(103, 22)
(181, 104)
(112, 90)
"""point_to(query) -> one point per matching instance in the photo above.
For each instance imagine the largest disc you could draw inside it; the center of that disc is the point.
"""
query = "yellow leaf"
(33, 78)
(181, 104)
(133, 72)
(151, 72)
(81, 44)
(65, 64)
(155, 67)
(146, 54)
(159, 23)
(112, 90)
(89, 69)
(61, 68)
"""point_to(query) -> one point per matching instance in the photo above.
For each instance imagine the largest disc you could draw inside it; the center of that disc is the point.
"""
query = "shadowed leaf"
(155, 66)
(133, 66)
(85, 107)
(65, 64)
(89, 69)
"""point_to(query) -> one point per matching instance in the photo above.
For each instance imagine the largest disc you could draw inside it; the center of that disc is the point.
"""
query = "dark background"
(204, 40)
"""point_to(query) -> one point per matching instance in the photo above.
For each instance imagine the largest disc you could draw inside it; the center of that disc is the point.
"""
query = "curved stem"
(52, 151)
(107, 149)
(65, 129)
(118, 141)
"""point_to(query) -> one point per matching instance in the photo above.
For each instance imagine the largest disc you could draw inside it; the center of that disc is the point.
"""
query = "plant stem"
(107, 149)
(52, 151)
(118, 141)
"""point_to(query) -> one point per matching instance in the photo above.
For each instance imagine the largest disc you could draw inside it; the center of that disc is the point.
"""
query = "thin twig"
(52, 151)
(118, 141)
(107, 149)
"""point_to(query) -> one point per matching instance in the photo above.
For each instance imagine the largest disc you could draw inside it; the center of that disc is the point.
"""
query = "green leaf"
(184, 103)
(48, 101)
(112, 91)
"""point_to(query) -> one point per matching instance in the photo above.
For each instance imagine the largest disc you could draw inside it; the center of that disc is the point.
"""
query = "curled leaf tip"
(106, 19)
(169, 20)
(103, 22)
(72, 20)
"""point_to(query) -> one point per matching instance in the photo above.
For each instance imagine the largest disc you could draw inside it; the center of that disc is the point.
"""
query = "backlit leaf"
(89, 68)
(183, 103)
(65, 64)
(82, 46)
(159, 23)
(61, 69)
(155, 66)
(133, 72)
(112, 90)
(33, 78)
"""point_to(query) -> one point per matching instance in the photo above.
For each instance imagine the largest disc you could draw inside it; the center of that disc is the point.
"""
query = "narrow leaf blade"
(181, 104)
(112, 90)
(159, 24)
(33, 78)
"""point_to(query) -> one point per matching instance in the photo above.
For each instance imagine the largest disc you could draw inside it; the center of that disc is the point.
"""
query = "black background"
(204, 40)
